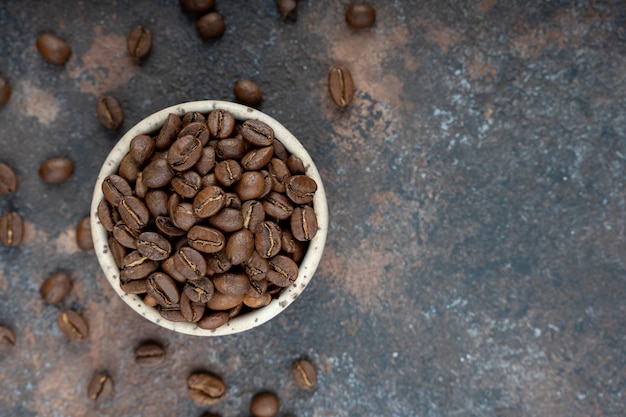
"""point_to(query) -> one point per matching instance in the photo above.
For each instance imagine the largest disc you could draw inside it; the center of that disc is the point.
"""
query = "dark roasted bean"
(109, 112)
(257, 132)
(8, 179)
(340, 86)
(304, 374)
(300, 189)
(142, 148)
(205, 388)
(115, 188)
(163, 289)
(197, 6)
(288, 9)
(56, 170)
(206, 239)
(267, 239)
(248, 92)
(190, 263)
(283, 271)
(100, 386)
(158, 173)
(220, 123)
(208, 201)
(134, 212)
(303, 223)
(149, 354)
(257, 158)
(211, 26)
(199, 290)
(5, 91)
(137, 266)
(139, 42)
(55, 288)
(72, 325)
(153, 246)
(53, 48)
(169, 131)
(360, 15)
(264, 404)
(184, 153)
(11, 228)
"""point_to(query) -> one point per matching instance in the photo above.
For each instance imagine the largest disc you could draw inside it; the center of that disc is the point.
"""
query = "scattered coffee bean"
(56, 287)
(211, 26)
(109, 112)
(83, 234)
(248, 92)
(11, 228)
(5, 91)
(100, 386)
(53, 48)
(56, 170)
(149, 354)
(340, 86)
(304, 374)
(139, 42)
(360, 15)
(288, 9)
(8, 179)
(197, 6)
(264, 404)
(72, 325)
(206, 388)
(7, 339)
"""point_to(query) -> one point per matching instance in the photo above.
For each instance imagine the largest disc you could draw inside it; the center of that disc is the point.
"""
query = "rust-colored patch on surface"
(66, 242)
(485, 5)
(105, 66)
(444, 37)
(480, 70)
(38, 103)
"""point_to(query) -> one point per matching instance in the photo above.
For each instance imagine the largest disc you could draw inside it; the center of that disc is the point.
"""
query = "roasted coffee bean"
(156, 201)
(288, 9)
(153, 246)
(205, 388)
(8, 179)
(207, 161)
(5, 91)
(184, 153)
(218, 262)
(191, 311)
(115, 188)
(169, 267)
(83, 234)
(163, 288)
(128, 169)
(231, 283)
(118, 251)
(208, 201)
(11, 228)
(222, 302)
(240, 246)
(279, 173)
(169, 131)
(304, 374)
(303, 223)
(295, 165)
(56, 170)
(7, 339)
(197, 6)
(264, 404)
(227, 220)
(134, 212)
(158, 173)
(250, 186)
(280, 151)
(165, 225)
(53, 48)
(288, 243)
(193, 117)
(220, 123)
(171, 313)
(125, 235)
(198, 130)
(277, 206)
(228, 172)
(340, 86)
(107, 215)
(56, 287)
(134, 286)
(300, 189)
(206, 239)
(141, 189)
(72, 325)
(109, 112)
(283, 271)
(100, 386)
(149, 354)
(187, 184)
(257, 158)
(211, 26)
(360, 15)
(253, 215)
(199, 290)
(248, 92)
(232, 201)
(151, 302)
(267, 239)
(142, 148)
(139, 42)
(190, 263)
(213, 320)
(183, 216)
(256, 267)
(231, 148)
(137, 266)
(257, 132)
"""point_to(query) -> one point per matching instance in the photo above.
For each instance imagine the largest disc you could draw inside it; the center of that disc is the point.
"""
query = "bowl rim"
(307, 267)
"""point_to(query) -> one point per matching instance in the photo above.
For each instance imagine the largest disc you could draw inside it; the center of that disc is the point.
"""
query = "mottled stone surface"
(476, 262)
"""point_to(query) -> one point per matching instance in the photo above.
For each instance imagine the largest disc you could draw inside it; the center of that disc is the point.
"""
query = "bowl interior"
(245, 321)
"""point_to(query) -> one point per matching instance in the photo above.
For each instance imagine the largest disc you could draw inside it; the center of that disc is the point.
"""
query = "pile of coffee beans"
(208, 217)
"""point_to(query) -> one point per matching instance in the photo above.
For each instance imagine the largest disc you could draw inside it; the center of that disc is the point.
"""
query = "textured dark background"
(476, 260)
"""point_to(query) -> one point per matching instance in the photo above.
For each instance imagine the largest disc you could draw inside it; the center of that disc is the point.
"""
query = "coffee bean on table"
(264, 404)
(248, 92)
(8, 179)
(53, 48)
(83, 234)
(197, 6)
(109, 112)
(139, 42)
(288, 9)
(72, 325)
(206, 388)
(7, 339)
(100, 386)
(211, 26)
(304, 374)
(149, 354)
(56, 287)
(340, 86)
(56, 170)
(11, 228)
(360, 15)
(5, 91)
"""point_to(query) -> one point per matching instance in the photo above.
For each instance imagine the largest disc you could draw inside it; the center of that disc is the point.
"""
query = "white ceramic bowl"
(307, 267)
